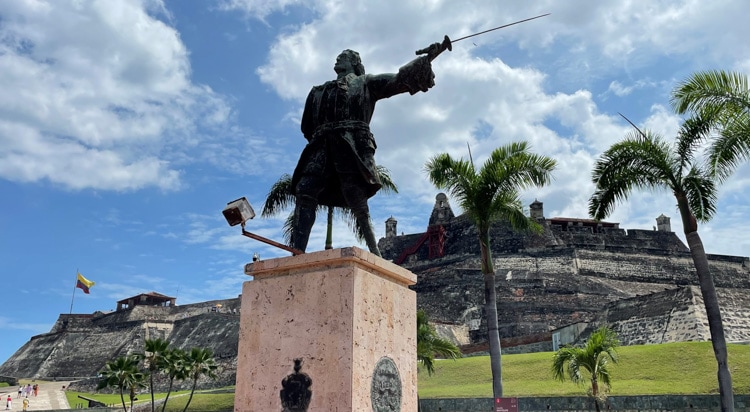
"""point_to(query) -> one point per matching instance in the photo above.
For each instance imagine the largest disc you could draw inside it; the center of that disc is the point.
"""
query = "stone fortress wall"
(641, 282)
(79, 345)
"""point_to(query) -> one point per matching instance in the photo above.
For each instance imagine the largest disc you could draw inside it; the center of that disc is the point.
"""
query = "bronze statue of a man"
(337, 167)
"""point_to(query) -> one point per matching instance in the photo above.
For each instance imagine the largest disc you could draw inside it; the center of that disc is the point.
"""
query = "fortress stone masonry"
(79, 345)
(553, 288)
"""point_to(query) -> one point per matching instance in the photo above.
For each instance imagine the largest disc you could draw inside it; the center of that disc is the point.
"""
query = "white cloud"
(92, 92)
(618, 89)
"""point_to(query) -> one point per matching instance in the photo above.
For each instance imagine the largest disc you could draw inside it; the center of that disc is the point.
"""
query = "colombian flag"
(84, 283)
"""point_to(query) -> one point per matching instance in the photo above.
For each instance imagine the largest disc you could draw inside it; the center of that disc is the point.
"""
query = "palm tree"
(174, 365)
(154, 357)
(280, 197)
(591, 361)
(645, 161)
(199, 362)
(121, 373)
(137, 381)
(723, 97)
(487, 195)
(429, 344)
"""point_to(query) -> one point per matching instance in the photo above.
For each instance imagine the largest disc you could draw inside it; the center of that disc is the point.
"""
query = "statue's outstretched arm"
(412, 77)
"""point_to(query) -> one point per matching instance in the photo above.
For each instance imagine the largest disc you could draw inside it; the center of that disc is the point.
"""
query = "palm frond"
(730, 148)
(564, 364)
(692, 133)
(279, 197)
(507, 207)
(640, 161)
(700, 190)
(602, 371)
(491, 193)
(711, 90)
(454, 176)
(515, 168)
(430, 344)
(288, 228)
(459, 179)
(347, 215)
(389, 186)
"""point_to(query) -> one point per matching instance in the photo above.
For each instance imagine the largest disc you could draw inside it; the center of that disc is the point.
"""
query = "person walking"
(9, 403)
(26, 404)
(20, 391)
(36, 389)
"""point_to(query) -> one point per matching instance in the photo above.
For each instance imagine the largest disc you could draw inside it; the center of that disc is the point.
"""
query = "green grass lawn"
(202, 401)
(675, 368)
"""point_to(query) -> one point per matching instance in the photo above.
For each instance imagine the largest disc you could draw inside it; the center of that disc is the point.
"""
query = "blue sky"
(126, 126)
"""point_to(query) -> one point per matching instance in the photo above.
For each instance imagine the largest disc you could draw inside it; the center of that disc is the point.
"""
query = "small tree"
(199, 362)
(174, 364)
(137, 381)
(154, 358)
(122, 373)
(487, 195)
(644, 160)
(589, 362)
(430, 344)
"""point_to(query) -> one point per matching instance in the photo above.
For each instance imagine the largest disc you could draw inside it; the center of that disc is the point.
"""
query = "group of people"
(28, 390)
(25, 392)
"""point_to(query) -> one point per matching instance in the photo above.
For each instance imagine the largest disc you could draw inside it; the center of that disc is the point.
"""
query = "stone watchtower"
(390, 227)
(536, 210)
(441, 212)
(662, 224)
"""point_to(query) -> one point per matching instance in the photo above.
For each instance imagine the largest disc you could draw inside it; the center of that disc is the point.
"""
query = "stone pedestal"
(342, 312)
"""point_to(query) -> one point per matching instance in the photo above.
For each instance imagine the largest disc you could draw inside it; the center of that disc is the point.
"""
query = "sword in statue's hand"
(432, 51)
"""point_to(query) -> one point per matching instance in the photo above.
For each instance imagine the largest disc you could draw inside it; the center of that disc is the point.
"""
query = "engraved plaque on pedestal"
(385, 393)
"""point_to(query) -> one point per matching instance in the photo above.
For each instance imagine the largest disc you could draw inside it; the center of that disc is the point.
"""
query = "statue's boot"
(302, 223)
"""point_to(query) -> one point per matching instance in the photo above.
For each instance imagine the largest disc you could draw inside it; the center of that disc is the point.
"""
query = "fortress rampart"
(567, 274)
(79, 345)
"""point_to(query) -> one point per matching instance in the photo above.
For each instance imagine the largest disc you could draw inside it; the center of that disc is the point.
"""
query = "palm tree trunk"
(710, 301)
(490, 308)
(169, 391)
(595, 393)
(151, 386)
(192, 391)
(715, 324)
(122, 398)
(329, 229)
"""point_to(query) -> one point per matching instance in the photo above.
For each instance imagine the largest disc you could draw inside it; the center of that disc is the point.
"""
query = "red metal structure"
(436, 236)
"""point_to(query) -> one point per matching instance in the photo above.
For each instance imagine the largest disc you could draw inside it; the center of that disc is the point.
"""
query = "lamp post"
(239, 211)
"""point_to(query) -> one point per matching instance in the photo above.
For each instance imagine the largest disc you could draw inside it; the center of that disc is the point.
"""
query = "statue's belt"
(341, 126)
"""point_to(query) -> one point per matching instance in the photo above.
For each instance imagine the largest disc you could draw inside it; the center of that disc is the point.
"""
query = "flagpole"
(75, 286)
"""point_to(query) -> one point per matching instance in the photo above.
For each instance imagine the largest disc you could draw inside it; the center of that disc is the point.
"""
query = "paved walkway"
(50, 397)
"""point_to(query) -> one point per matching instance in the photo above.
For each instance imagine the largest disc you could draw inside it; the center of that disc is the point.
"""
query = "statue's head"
(348, 61)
